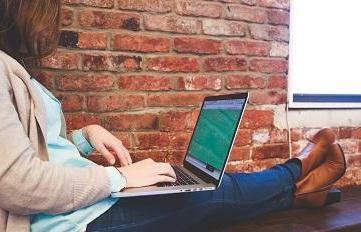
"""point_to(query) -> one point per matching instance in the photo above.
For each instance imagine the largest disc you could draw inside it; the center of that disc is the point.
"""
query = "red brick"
(46, 79)
(248, 2)
(158, 156)
(240, 154)
(279, 49)
(270, 151)
(349, 146)
(172, 64)
(131, 122)
(191, 82)
(126, 63)
(228, 1)
(354, 160)
(61, 60)
(278, 17)
(252, 48)
(175, 99)
(77, 121)
(96, 62)
(198, 8)
(70, 102)
(269, 65)
(268, 97)
(109, 20)
(245, 82)
(250, 166)
(260, 136)
(92, 40)
(68, 39)
(124, 138)
(249, 14)
(279, 136)
(243, 138)
(161, 6)
(220, 64)
(115, 102)
(284, 4)
(176, 121)
(119, 63)
(254, 119)
(222, 27)
(145, 82)
(297, 147)
(175, 156)
(172, 24)
(296, 134)
(245, 2)
(96, 3)
(140, 43)
(179, 140)
(100, 160)
(268, 32)
(277, 82)
(356, 133)
(344, 133)
(67, 17)
(85, 82)
(151, 140)
(197, 45)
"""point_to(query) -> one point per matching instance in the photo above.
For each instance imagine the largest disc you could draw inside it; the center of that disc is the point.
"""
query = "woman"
(46, 185)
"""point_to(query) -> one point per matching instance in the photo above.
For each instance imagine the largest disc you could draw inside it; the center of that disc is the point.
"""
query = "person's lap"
(241, 196)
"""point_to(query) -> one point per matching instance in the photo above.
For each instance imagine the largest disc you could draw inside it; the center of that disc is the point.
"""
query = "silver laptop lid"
(214, 135)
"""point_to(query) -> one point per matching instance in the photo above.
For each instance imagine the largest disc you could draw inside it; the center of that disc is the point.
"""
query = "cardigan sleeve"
(29, 185)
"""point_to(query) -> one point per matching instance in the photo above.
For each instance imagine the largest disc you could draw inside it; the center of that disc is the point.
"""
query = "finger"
(163, 178)
(127, 155)
(119, 151)
(166, 169)
(107, 154)
(125, 151)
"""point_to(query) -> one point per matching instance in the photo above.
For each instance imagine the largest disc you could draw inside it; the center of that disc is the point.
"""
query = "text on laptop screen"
(213, 135)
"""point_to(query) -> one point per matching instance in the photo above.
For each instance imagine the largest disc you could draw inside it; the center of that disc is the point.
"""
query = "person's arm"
(96, 138)
(81, 143)
(29, 185)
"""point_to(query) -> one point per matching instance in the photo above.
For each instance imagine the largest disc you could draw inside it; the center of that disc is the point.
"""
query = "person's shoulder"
(5, 70)
(7, 63)
(10, 68)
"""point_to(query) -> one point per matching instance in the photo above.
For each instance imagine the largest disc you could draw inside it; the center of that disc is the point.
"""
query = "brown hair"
(29, 29)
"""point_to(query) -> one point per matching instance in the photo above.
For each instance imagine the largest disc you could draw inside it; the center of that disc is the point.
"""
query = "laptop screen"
(214, 134)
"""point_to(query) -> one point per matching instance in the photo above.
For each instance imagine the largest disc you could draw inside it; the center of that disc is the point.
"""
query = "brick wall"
(141, 68)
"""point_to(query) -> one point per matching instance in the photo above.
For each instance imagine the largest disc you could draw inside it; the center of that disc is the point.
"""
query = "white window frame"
(302, 95)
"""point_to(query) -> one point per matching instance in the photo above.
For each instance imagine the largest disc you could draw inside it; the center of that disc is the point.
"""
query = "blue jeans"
(241, 196)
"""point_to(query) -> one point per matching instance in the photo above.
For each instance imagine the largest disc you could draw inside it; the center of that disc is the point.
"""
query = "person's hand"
(147, 172)
(102, 140)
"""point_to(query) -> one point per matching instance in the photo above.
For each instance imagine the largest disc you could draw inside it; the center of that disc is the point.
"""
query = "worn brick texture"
(141, 68)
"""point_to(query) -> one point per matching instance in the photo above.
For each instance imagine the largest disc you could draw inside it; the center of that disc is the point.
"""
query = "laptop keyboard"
(182, 179)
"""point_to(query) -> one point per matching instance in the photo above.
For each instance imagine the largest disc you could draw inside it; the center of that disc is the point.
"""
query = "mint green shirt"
(63, 152)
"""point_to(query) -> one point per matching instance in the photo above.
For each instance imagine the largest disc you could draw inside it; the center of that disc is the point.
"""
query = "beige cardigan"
(28, 183)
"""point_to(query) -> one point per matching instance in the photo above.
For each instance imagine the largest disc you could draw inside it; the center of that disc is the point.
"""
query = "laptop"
(208, 150)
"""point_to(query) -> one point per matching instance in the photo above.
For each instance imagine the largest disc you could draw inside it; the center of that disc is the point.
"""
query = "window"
(325, 54)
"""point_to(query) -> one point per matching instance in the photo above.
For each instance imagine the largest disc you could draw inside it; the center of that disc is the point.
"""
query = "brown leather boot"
(314, 190)
(315, 151)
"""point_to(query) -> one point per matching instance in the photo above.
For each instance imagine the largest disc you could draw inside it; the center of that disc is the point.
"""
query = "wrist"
(82, 143)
